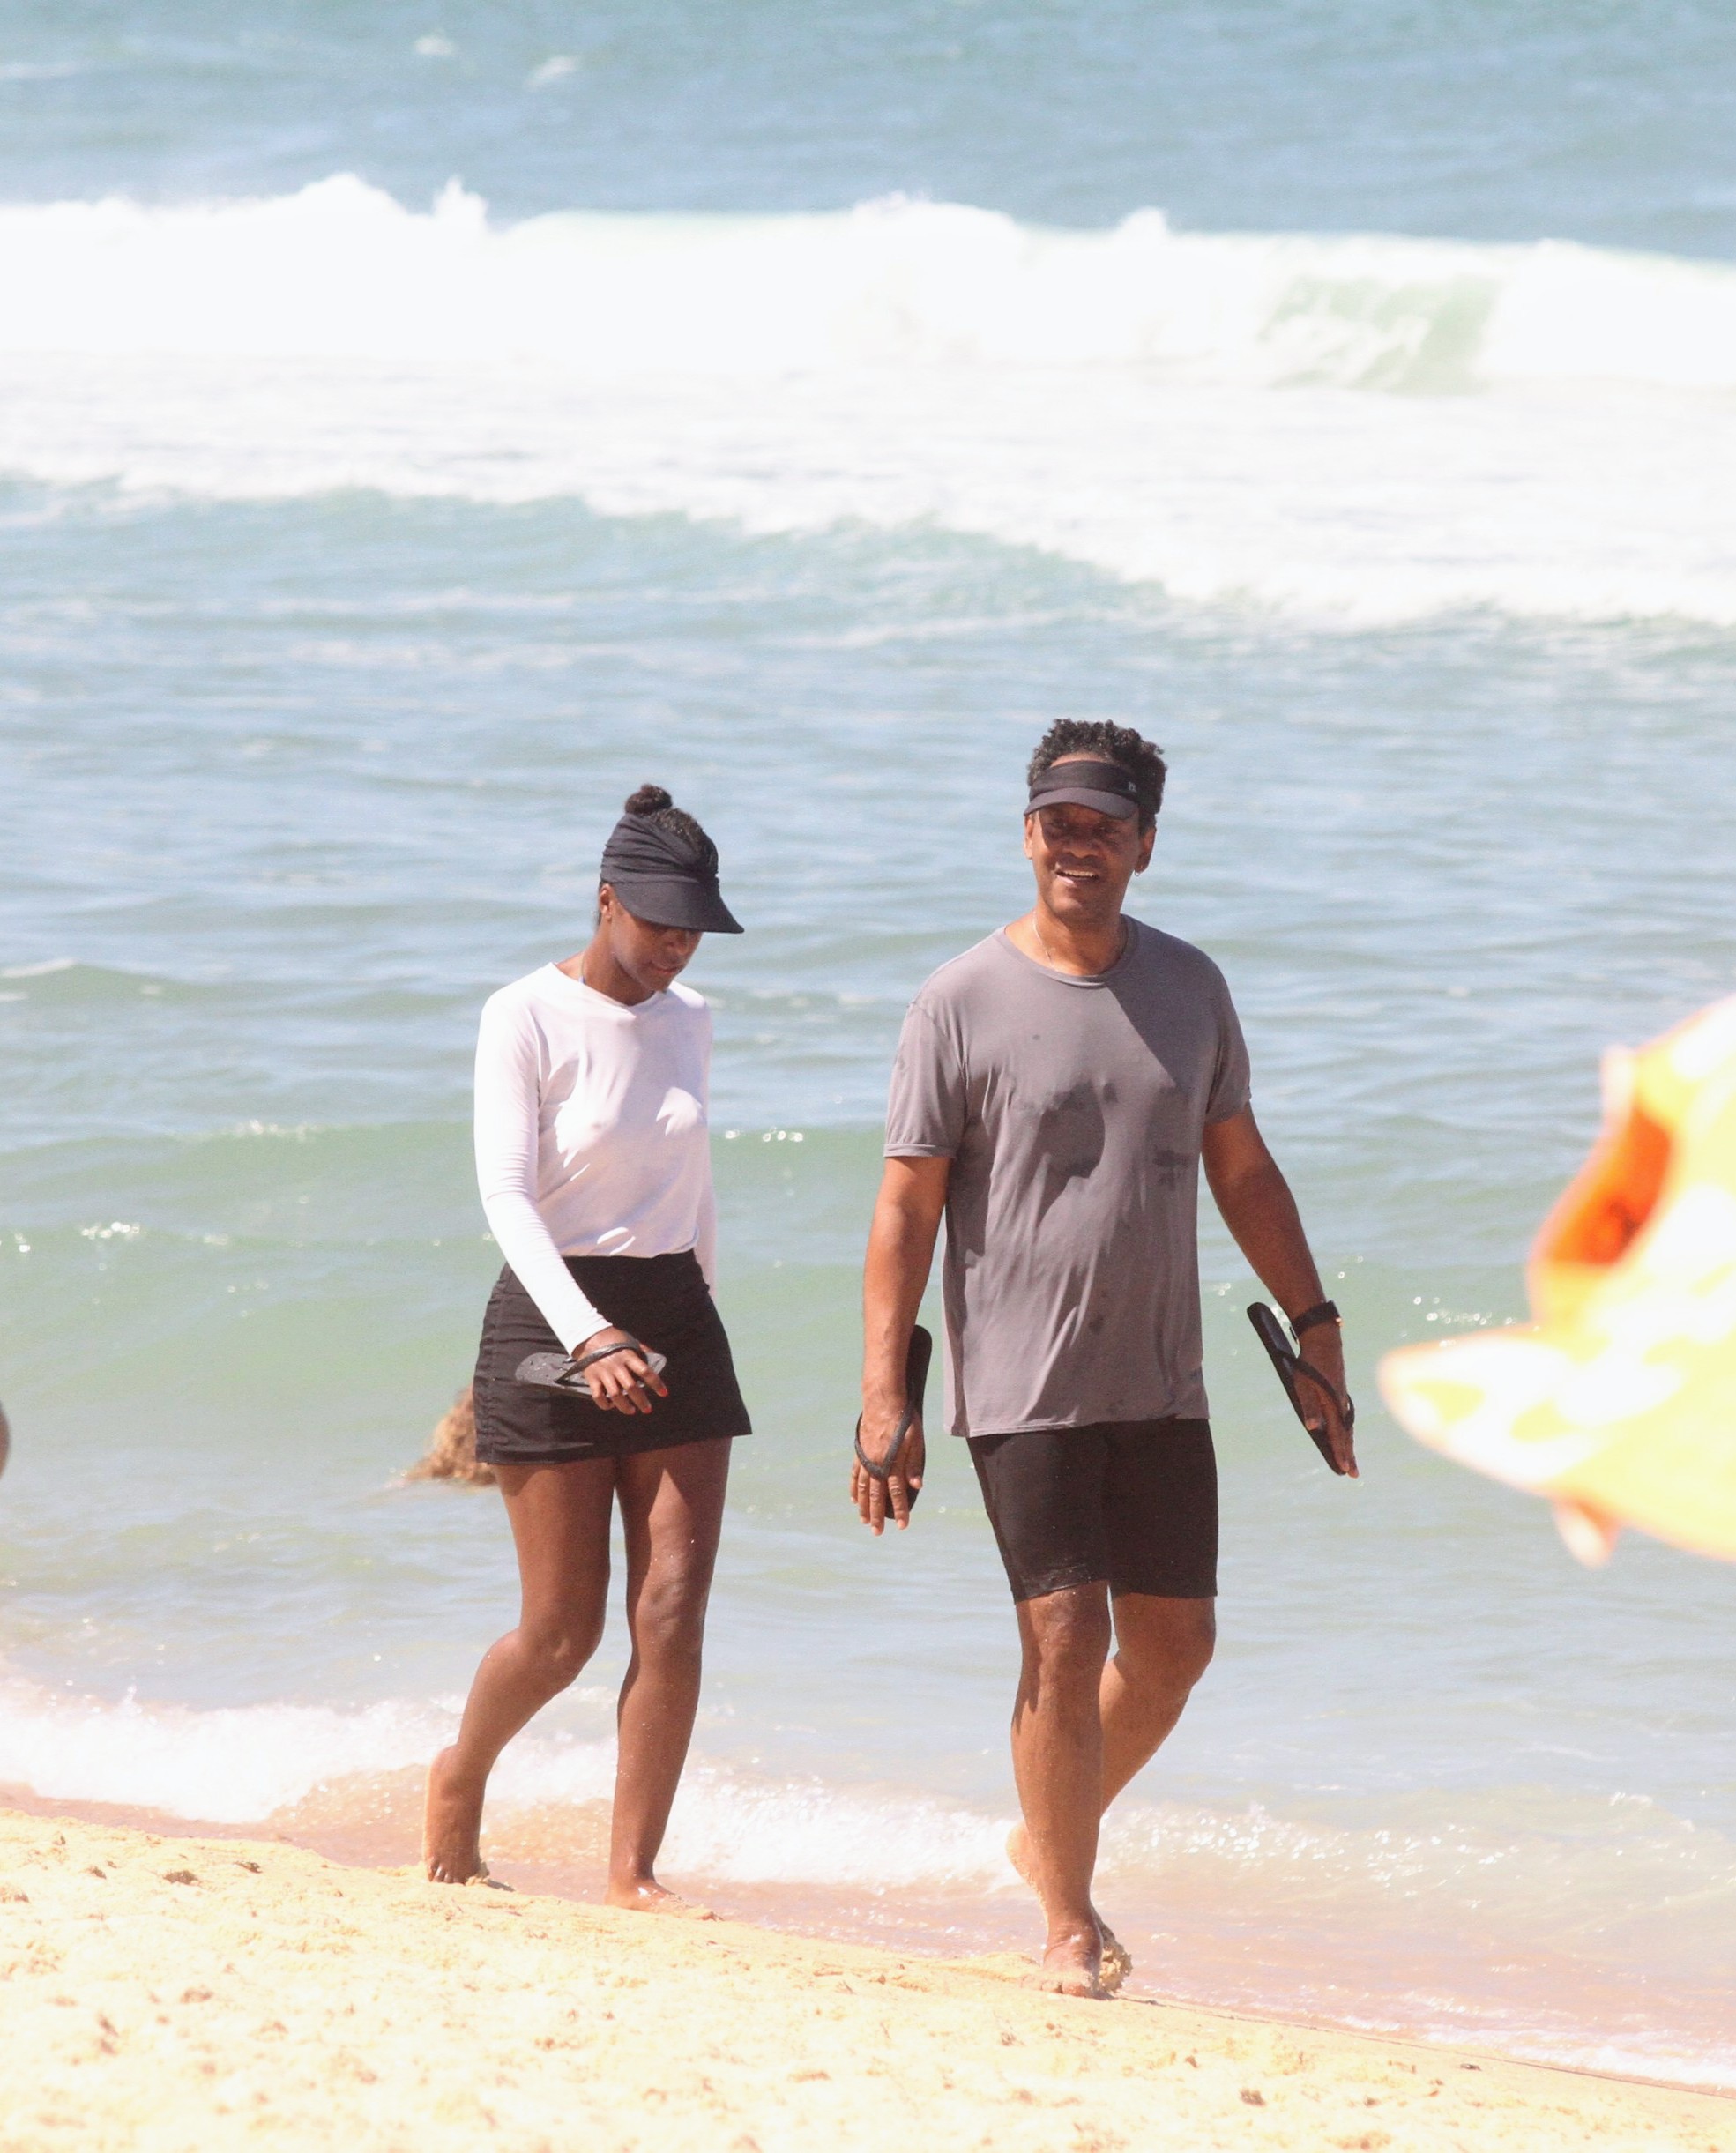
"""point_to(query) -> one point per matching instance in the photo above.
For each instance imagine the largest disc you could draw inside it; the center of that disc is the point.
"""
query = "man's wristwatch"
(1322, 1311)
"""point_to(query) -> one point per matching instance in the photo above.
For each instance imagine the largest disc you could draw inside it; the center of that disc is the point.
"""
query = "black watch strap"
(1322, 1311)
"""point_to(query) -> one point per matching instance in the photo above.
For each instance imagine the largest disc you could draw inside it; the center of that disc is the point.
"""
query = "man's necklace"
(1121, 948)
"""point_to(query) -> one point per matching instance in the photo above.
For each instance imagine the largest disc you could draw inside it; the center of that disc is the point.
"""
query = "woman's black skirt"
(664, 1301)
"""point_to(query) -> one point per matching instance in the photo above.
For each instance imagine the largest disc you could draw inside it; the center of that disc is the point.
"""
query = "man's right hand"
(878, 1500)
(619, 1383)
(901, 1247)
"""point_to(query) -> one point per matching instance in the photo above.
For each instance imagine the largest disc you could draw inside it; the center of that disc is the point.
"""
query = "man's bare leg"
(672, 1511)
(1058, 1765)
(1163, 1647)
(560, 1519)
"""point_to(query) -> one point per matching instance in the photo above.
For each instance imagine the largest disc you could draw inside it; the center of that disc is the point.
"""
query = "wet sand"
(166, 1993)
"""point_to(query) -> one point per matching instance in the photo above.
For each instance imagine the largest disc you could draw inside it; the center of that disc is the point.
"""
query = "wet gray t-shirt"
(1072, 1110)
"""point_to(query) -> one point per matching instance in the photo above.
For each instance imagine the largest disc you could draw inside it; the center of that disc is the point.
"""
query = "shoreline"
(382, 1846)
(234, 1990)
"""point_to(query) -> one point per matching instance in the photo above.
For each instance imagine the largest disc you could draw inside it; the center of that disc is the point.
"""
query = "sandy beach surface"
(167, 1993)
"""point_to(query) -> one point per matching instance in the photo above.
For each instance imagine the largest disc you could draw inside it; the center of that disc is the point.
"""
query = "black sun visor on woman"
(661, 877)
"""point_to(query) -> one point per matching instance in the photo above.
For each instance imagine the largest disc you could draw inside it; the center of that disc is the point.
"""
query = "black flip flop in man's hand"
(1313, 1378)
(887, 1476)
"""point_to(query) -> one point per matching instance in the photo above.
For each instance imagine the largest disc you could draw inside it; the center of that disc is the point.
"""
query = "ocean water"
(418, 425)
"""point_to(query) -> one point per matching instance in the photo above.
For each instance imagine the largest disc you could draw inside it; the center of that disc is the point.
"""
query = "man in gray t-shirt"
(1055, 1091)
(1072, 1106)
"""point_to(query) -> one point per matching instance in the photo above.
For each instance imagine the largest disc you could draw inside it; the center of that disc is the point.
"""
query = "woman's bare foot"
(1116, 1961)
(451, 1825)
(648, 1897)
(1072, 1965)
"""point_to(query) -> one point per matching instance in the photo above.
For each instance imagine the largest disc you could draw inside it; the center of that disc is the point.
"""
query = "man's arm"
(900, 1249)
(1260, 1211)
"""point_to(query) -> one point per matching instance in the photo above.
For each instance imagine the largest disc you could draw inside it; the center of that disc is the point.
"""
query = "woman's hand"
(619, 1383)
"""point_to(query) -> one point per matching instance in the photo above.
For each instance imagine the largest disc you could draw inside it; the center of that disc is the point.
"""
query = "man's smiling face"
(1084, 860)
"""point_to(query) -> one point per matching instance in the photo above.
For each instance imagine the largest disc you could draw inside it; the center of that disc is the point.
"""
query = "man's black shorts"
(1133, 1503)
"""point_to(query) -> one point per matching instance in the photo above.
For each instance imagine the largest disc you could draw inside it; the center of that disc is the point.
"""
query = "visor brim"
(675, 903)
(1117, 804)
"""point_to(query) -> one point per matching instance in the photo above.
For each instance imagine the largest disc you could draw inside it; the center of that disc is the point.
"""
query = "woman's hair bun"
(648, 800)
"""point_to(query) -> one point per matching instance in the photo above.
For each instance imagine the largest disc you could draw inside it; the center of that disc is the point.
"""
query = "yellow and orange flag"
(1618, 1403)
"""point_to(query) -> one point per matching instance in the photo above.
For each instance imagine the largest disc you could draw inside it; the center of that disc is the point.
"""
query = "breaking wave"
(342, 271)
(1351, 429)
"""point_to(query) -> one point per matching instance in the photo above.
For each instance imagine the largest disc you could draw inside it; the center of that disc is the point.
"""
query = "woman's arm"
(508, 1107)
(705, 1241)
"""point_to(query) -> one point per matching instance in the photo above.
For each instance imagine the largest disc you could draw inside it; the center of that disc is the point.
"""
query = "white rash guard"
(590, 1134)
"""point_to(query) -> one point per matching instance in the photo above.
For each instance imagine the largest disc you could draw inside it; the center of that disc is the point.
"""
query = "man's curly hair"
(1115, 743)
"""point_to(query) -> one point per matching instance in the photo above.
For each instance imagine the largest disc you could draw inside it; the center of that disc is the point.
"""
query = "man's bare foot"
(1072, 1966)
(648, 1897)
(1117, 1961)
(452, 1826)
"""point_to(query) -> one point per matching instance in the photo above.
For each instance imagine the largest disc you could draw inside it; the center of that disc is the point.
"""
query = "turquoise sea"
(420, 423)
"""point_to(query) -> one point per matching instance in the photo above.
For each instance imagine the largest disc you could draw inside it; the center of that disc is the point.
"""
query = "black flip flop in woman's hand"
(617, 1372)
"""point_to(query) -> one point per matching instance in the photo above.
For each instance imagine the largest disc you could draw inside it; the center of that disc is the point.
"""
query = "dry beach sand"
(160, 1994)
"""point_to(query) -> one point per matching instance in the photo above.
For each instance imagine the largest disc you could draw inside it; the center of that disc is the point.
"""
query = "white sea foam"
(243, 1764)
(234, 1765)
(733, 1828)
(1354, 428)
(240, 1764)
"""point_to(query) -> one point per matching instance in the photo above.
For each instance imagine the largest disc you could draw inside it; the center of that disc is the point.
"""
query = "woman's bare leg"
(559, 1518)
(672, 1513)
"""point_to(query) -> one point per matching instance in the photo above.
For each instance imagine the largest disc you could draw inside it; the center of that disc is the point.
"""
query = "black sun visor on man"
(1079, 783)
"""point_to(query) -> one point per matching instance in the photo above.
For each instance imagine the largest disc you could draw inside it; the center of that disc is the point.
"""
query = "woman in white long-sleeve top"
(593, 1158)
